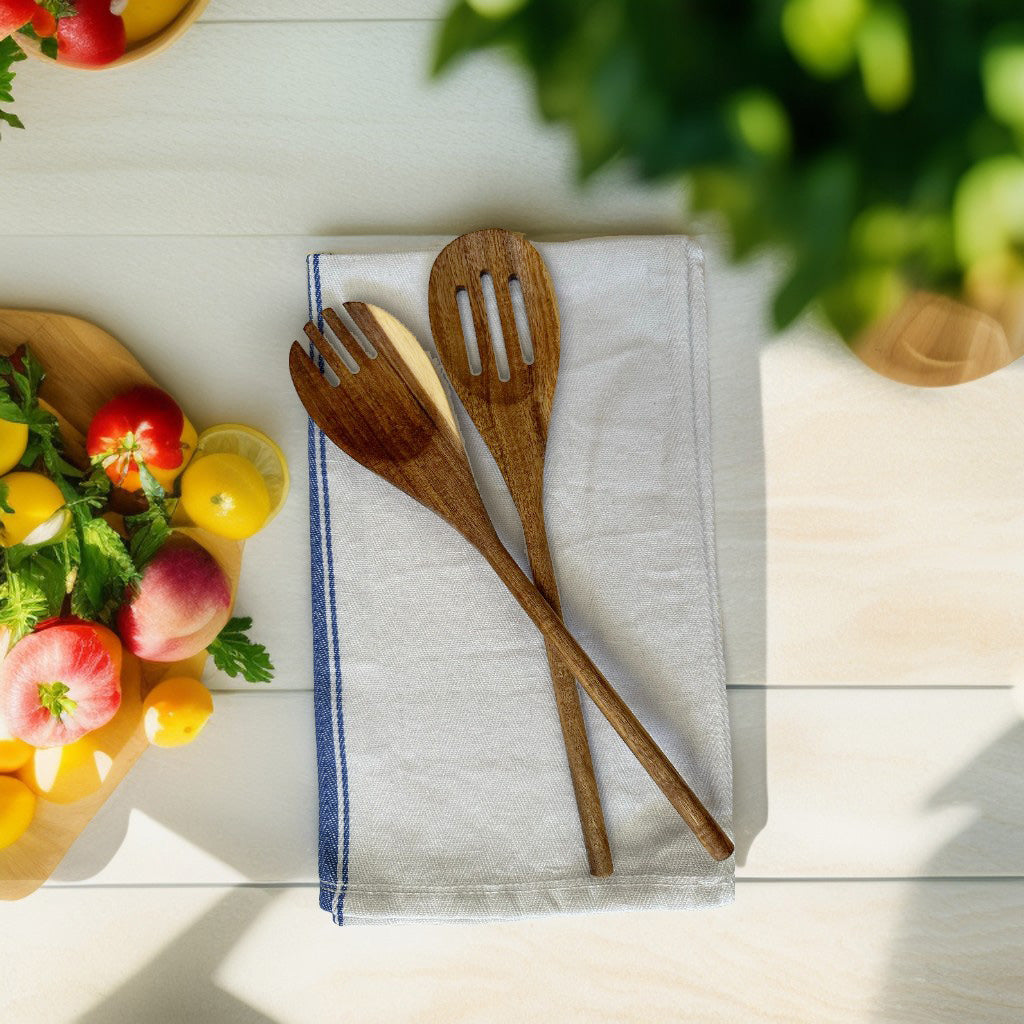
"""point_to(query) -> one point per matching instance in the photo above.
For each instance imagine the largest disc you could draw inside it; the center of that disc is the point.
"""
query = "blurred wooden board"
(85, 367)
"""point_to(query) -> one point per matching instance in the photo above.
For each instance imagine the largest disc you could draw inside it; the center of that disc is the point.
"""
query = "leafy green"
(105, 571)
(234, 653)
(147, 532)
(31, 592)
(802, 124)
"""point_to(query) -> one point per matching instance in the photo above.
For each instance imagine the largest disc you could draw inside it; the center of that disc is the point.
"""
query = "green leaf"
(59, 8)
(147, 533)
(31, 592)
(48, 47)
(54, 697)
(4, 491)
(234, 653)
(105, 571)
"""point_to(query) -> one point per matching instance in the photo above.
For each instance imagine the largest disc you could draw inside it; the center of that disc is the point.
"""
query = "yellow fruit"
(39, 514)
(13, 442)
(13, 752)
(226, 495)
(260, 450)
(175, 711)
(17, 809)
(144, 18)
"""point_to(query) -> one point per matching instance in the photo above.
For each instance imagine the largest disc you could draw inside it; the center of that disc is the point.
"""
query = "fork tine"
(346, 338)
(324, 347)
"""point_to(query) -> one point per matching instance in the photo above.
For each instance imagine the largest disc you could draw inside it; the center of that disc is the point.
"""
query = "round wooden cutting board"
(85, 367)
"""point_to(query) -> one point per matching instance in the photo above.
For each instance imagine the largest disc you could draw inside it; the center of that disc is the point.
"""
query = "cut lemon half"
(254, 446)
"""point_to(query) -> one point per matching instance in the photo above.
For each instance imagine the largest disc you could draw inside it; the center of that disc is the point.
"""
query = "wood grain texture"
(325, 10)
(86, 367)
(903, 952)
(512, 416)
(933, 341)
(385, 418)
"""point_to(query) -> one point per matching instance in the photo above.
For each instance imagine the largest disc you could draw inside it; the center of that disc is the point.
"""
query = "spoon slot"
(468, 331)
(515, 290)
(497, 335)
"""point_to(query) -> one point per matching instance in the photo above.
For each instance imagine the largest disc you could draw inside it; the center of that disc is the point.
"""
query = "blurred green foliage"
(880, 143)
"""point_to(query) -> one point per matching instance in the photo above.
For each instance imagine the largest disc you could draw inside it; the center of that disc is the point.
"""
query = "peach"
(179, 607)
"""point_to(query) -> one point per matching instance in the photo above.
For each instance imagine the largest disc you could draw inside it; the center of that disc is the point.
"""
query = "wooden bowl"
(935, 341)
(146, 48)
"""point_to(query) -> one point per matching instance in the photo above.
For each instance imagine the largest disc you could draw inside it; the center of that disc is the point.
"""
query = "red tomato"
(92, 37)
(144, 425)
(60, 683)
(44, 22)
(15, 14)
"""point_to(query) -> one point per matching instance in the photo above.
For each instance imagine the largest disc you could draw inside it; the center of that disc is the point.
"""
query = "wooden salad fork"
(393, 417)
(511, 406)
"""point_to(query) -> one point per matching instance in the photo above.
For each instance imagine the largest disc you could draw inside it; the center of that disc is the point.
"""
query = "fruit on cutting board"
(14, 14)
(92, 37)
(236, 483)
(17, 809)
(175, 711)
(76, 770)
(13, 752)
(180, 605)
(36, 512)
(143, 427)
(60, 682)
(226, 495)
(144, 18)
(13, 441)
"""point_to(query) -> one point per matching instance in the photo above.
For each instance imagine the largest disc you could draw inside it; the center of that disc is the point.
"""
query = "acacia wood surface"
(385, 418)
(512, 416)
(85, 367)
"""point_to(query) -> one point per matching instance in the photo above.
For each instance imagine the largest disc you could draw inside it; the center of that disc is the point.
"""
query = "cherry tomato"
(142, 426)
(92, 37)
(44, 22)
(15, 14)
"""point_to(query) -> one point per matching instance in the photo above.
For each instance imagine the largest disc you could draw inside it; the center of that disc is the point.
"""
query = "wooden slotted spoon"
(511, 408)
(393, 417)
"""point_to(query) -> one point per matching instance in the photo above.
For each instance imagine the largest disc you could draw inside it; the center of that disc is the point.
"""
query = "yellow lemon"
(13, 752)
(226, 495)
(38, 514)
(175, 711)
(13, 442)
(144, 18)
(260, 450)
(17, 809)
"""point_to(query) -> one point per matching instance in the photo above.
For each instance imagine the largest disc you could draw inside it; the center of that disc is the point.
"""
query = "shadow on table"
(965, 940)
(179, 982)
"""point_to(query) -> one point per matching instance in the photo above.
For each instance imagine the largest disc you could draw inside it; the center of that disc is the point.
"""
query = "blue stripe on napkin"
(332, 765)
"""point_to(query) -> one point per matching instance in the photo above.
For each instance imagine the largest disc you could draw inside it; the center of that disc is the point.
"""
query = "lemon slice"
(257, 448)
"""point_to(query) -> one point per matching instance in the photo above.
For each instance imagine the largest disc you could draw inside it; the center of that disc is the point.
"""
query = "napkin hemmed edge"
(369, 906)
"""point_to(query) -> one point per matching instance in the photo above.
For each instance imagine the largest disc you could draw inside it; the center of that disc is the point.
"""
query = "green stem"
(54, 697)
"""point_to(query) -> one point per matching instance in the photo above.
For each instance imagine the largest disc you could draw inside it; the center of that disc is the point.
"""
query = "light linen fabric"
(444, 790)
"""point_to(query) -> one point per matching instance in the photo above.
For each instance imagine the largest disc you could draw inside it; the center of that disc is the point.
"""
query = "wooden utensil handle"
(567, 700)
(611, 705)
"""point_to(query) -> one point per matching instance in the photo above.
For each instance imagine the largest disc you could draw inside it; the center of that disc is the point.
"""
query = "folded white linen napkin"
(444, 788)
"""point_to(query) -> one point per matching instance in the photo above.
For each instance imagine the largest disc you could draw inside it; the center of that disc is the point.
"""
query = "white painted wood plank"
(880, 783)
(875, 538)
(832, 953)
(325, 10)
(884, 565)
(260, 128)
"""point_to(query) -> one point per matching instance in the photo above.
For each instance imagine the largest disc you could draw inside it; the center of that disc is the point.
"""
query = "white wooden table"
(871, 547)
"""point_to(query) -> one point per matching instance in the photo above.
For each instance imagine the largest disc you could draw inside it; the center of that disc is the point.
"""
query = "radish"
(61, 682)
